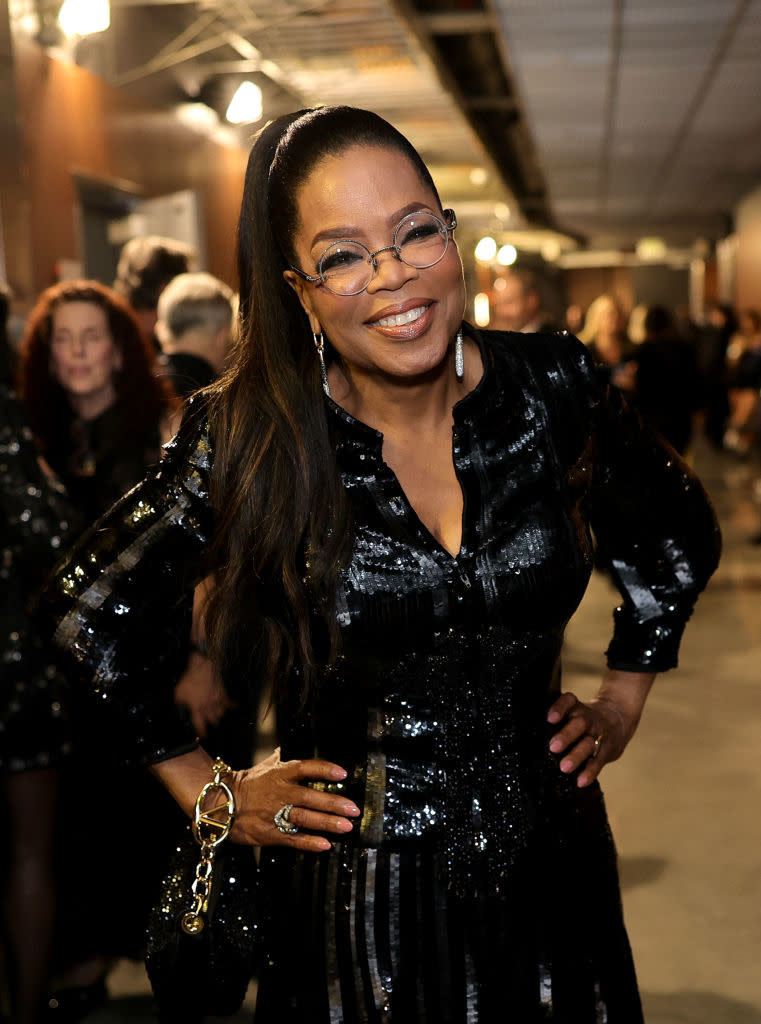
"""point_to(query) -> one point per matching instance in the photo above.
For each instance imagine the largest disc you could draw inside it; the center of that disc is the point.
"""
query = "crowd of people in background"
(89, 397)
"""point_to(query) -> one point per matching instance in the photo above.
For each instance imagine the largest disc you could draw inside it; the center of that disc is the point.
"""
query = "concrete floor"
(684, 801)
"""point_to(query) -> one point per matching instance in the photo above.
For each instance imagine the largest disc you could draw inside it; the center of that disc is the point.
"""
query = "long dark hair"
(283, 523)
(142, 398)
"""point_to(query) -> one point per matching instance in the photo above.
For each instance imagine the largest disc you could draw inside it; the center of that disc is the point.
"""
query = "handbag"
(204, 934)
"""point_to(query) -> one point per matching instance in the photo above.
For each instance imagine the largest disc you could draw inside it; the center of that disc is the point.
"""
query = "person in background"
(712, 339)
(603, 334)
(744, 381)
(98, 414)
(7, 354)
(397, 512)
(35, 522)
(146, 266)
(194, 329)
(574, 318)
(517, 306)
(668, 388)
(635, 326)
(96, 408)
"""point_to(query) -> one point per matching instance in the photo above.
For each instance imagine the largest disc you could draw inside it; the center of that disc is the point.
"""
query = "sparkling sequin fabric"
(480, 885)
(35, 525)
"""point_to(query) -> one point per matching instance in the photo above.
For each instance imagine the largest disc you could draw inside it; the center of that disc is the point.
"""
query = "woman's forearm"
(184, 776)
(626, 693)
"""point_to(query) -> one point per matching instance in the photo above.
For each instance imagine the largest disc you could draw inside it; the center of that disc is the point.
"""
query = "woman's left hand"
(595, 733)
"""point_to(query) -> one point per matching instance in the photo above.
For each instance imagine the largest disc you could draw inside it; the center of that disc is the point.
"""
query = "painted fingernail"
(566, 766)
(555, 746)
(343, 825)
(338, 773)
(324, 844)
(349, 808)
(553, 716)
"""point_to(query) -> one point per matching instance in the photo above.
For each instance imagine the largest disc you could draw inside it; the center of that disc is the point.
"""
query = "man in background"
(146, 266)
(194, 328)
(517, 305)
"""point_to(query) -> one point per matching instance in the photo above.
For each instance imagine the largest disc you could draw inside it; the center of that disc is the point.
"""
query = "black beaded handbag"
(204, 935)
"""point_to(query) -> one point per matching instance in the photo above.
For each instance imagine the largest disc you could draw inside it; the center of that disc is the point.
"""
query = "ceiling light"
(507, 255)
(84, 17)
(246, 104)
(478, 177)
(651, 249)
(502, 211)
(486, 250)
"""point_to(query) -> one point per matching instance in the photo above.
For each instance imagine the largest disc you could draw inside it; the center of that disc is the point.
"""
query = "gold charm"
(192, 924)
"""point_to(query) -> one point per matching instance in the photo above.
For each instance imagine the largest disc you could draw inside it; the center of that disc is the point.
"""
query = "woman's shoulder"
(553, 359)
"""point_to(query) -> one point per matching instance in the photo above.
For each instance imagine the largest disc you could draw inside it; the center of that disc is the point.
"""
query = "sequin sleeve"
(654, 525)
(120, 603)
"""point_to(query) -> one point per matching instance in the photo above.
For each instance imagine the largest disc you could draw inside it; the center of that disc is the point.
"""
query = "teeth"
(402, 318)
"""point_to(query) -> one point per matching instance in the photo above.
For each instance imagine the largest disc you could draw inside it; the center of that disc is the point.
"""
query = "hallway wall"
(72, 121)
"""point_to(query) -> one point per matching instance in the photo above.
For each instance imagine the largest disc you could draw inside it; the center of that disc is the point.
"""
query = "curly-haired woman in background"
(98, 414)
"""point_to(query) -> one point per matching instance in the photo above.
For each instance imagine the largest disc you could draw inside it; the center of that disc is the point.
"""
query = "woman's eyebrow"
(352, 230)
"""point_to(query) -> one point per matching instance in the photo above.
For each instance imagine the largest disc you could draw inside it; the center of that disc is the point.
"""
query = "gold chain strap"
(209, 832)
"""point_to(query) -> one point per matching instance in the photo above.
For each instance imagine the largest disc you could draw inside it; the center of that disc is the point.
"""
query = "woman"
(744, 373)
(97, 413)
(604, 335)
(87, 380)
(400, 556)
(34, 731)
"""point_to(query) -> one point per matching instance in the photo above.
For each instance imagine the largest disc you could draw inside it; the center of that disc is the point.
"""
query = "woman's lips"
(407, 323)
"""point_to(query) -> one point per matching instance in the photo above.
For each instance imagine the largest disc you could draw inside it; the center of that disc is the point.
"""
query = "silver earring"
(459, 357)
(319, 344)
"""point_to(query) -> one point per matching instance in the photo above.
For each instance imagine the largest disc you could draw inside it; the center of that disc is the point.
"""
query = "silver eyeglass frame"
(372, 257)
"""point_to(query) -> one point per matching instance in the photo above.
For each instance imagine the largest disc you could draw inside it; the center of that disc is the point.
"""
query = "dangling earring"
(319, 344)
(459, 357)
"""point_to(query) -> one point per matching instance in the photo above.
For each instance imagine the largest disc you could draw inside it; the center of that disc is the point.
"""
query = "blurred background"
(592, 149)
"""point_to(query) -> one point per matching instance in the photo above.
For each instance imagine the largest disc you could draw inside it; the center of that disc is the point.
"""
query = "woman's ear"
(303, 293)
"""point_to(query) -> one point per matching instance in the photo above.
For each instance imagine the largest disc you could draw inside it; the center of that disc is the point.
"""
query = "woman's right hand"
(264, 789)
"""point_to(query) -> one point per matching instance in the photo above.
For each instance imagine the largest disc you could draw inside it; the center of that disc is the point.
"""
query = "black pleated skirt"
(376, 936)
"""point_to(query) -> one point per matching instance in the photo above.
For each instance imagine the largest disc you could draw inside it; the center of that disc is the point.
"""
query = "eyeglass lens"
(348, 267)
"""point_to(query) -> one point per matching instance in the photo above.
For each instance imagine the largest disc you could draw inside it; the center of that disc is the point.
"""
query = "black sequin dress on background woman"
(481, 884)
(36, 523)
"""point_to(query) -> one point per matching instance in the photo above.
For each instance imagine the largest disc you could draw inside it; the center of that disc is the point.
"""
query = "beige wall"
(73, 121)
(584, 285)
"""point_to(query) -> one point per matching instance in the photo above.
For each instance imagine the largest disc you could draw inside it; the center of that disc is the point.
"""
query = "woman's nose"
(390, 272)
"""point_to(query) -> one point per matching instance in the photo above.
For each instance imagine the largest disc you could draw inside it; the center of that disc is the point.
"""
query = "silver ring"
(283, 823)
(598, 743)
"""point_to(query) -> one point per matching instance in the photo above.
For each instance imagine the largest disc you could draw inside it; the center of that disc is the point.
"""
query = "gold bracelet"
(209, 832)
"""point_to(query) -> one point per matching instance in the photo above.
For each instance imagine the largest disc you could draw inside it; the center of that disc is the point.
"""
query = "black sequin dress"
(481, 884)
(35, 516)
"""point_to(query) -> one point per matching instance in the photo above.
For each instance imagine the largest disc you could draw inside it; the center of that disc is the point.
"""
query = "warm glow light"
(507, 255)
(197, 115)
(651, 249)
(481, 309)
(84, 17)
(478, 177)
(246, 104)
(502, 211)
(486, 250)
(551, 250)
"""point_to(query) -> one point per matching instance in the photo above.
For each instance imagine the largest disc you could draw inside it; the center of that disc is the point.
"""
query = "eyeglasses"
(347, 267)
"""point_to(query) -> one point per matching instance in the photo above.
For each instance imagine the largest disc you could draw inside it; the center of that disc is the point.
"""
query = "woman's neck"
(390, 406)
(91, 406)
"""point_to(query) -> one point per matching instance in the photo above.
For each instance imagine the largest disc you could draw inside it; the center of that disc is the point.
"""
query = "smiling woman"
(397, 539)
